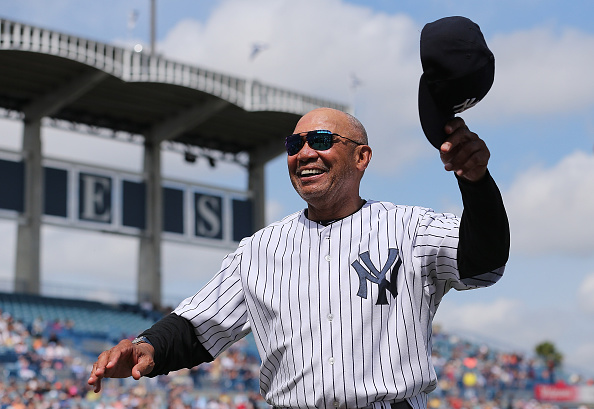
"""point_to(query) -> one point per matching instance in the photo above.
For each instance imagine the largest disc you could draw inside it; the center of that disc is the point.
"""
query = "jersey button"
(327, 258)
(335, 404)
(330, 317)
(331, 361)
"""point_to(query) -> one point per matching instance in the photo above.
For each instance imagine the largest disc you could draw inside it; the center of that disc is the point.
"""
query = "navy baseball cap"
(458, 71)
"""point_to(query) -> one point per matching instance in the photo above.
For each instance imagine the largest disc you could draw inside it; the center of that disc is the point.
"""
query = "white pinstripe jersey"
(341, 314)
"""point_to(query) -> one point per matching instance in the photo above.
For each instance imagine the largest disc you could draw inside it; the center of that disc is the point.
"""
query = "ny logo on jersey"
(469, 103)
(375, 276)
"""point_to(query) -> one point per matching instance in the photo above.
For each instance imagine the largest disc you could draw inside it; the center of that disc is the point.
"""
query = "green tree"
(551, 357)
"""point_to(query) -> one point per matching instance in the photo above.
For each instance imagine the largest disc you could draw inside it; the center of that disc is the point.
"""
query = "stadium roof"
(44, 73)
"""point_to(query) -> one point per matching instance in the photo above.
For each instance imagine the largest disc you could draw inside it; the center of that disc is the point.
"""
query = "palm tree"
(548, 353)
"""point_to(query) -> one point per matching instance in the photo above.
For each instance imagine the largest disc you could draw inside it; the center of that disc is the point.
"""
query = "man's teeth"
(309, 172)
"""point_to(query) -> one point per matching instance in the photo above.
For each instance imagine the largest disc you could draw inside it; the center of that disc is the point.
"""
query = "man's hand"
(123, 360)
(464, 152)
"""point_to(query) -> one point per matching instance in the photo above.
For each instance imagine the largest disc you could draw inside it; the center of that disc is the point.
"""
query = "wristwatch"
(140, 340)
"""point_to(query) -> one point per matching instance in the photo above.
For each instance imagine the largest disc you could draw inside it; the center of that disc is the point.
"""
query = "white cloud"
(586, 295)
(315, 47)
(511, 324)
(504, 320)
(542, 71)
(550, 210)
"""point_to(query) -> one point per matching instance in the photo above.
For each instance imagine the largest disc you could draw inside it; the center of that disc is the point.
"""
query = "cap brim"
(433, 119)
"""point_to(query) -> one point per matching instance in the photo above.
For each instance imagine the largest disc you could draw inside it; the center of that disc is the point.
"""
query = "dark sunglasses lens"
(293, 144)
(320, 141)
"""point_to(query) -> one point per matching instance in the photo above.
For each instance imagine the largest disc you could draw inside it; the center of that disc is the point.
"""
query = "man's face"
(325, 178)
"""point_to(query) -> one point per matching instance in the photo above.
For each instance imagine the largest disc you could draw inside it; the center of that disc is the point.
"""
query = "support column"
(149, 256)
(256, 185)
(28, 249)
(256, 178)
(27, 271)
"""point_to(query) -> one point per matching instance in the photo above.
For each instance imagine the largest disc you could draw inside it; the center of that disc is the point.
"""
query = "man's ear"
(363, 156)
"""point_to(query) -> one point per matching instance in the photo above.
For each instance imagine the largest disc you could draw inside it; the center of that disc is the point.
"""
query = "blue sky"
(538, 121)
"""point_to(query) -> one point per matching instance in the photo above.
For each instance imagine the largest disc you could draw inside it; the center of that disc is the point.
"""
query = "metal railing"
(23, 37)
(132, 66)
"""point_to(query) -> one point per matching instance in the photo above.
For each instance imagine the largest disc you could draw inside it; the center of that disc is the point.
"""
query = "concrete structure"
(47, 74)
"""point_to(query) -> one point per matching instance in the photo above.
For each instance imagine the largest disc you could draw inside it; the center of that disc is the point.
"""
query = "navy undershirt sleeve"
(176, 345)
(484, 228)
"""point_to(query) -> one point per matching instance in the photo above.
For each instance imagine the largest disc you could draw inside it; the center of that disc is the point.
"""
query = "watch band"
(141, 339)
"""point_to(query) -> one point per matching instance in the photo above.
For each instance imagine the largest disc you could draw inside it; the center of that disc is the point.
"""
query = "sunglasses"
(320, 140)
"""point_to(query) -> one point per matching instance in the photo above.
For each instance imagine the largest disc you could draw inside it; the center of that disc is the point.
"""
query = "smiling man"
(340, 296)
(328, 180)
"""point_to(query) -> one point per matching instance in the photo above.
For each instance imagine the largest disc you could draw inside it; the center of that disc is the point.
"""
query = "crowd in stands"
(40, 368)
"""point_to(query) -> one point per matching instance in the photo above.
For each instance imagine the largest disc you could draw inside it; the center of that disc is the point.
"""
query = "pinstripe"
(301, 343)
(287, 371)
(379, 237)
(419, 348)
(286, 271)
(276, 353)
(390, 235)
(330, 293)
(213, 302)
(313, 388)
(283, 368)
(371, 358)
(340, 295)
(351, 304)
(321, 340)
(316, 318)
(362, 323)
(259, 322)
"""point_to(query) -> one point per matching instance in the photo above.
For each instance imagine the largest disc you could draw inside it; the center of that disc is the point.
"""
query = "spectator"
(49, 374)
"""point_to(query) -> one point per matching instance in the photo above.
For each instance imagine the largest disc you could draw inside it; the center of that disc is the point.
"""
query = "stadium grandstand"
(48, 345)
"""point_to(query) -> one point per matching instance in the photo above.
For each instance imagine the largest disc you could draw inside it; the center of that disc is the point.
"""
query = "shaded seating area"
(79, 318)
